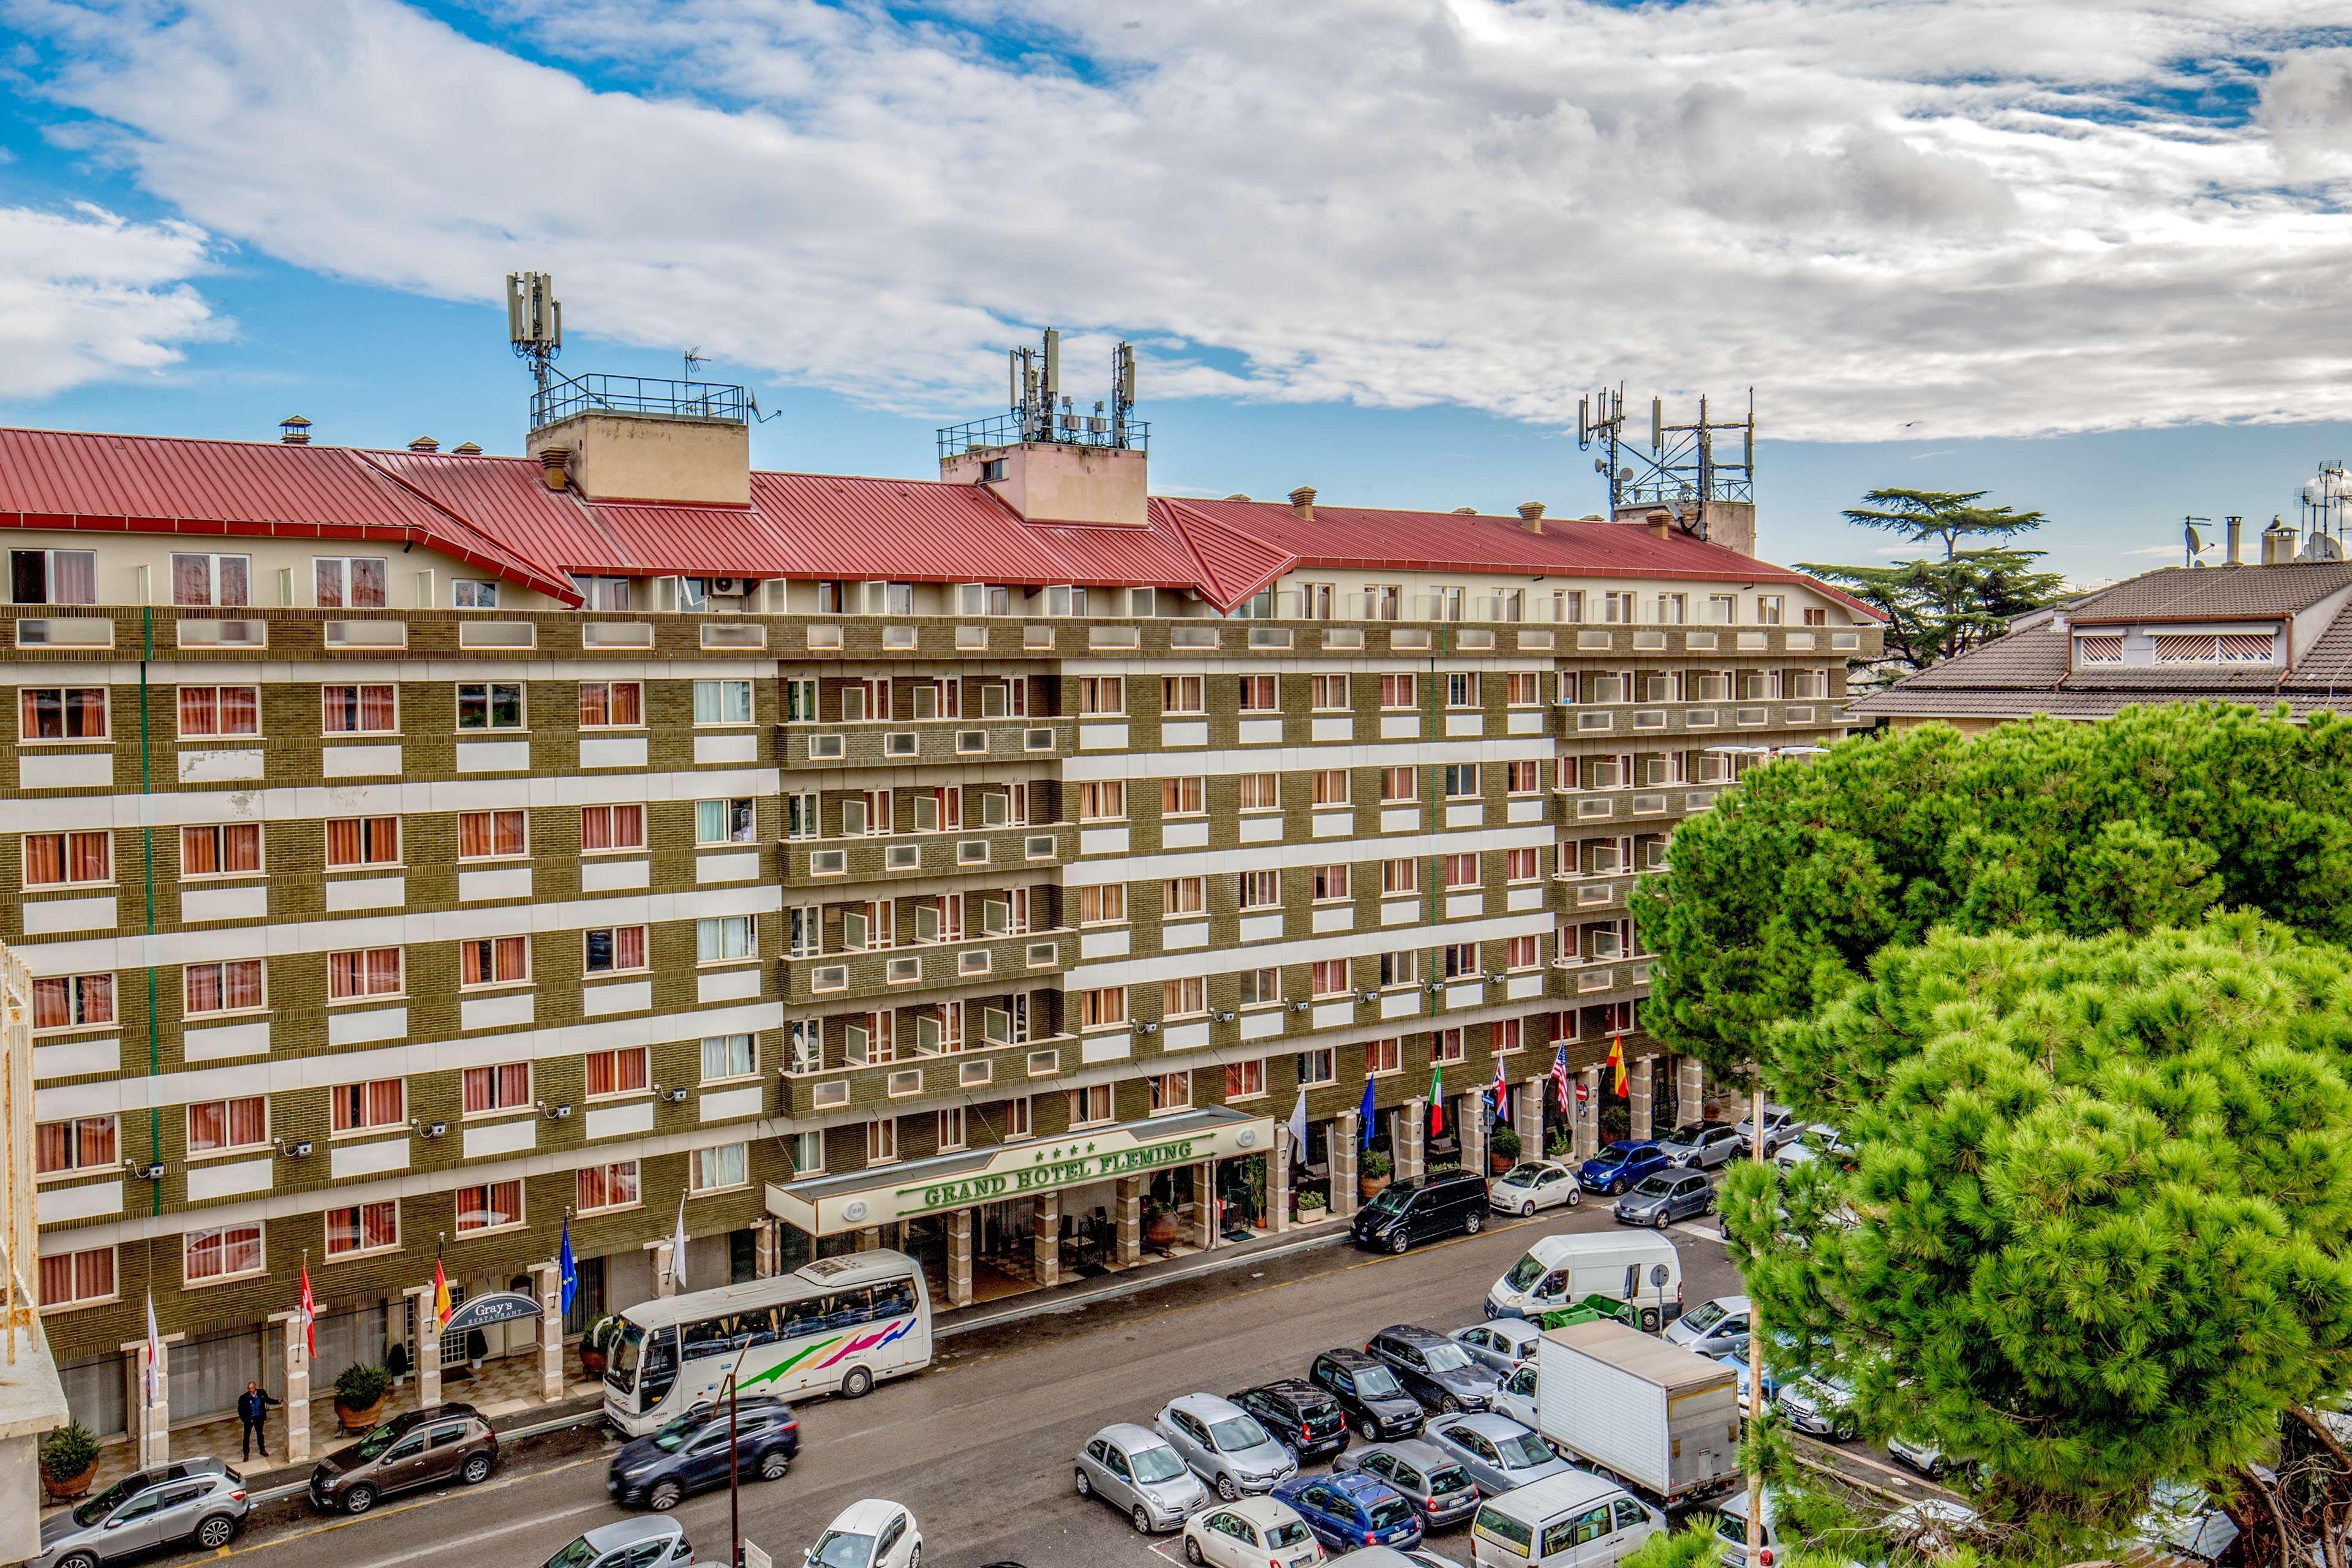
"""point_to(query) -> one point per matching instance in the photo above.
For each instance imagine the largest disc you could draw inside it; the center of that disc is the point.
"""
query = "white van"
(1573, 1520)
(1641, 1268)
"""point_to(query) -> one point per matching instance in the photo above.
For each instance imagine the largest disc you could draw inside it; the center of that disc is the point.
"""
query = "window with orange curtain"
(358, 1106)
(489, 1206)
(362, 841)
(62, 859)
(70, 1279)
(66, 713)
(502, 1087)
(363, 1227)
(617, 1072)
(82, 1143)
(612, 949)
(211, 711)
(611, 704)
(72, 1001)
(359, 709)
(215, 1124)
(485, 835)
(612, 1186)
(223, 1253)
(221, 850)
(368, 972)
(223, 988)
(493, 961)
(612, 828)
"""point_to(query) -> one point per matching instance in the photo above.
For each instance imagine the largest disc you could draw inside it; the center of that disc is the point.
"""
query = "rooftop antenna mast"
(1036, 386)
(535, 323)
(2322, 505)
(1122, 391)
(1680, 468)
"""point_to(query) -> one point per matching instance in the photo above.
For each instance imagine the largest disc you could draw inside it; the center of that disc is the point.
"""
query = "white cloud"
(1958, 217)
(86, 296)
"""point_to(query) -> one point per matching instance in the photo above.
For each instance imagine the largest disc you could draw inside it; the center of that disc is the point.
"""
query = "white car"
(1502, 1346)
(2182, 1517)
(1245, 1534)
(1810, 1143)
(1924, 1458)
(1533, 1184)
(1780, 1126)
(1516, 1397)
(1933, 1525)
(873, 1533)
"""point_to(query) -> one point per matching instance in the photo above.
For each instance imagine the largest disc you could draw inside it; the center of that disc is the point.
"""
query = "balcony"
(1007, 1066)
(890, 976)
(883, 856)
(884, 742)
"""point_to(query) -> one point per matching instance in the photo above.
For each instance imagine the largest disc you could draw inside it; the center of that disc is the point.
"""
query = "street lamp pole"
(1754, 1351)
(734, 1468)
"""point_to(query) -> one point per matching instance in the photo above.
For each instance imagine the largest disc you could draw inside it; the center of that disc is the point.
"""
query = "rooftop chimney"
(294, 430)
(467, 448)
(1237, 496)
(425, 444)
(1660, 524)
(1466, 512)
(1531, 516)
(551, 462)
(1302, 502)
(2278, 543)
(2237, 526)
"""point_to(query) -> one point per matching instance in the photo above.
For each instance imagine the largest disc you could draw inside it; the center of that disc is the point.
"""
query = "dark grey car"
(200, 1501)
(1500, 1452)
(1701, 1145)
(1430, 1479)
(1132, 1469)
(1670, 1195)
(1434, 1369)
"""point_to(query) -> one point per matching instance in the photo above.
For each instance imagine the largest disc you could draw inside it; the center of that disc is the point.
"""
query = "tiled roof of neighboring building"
(499, 513)
(2213, 592)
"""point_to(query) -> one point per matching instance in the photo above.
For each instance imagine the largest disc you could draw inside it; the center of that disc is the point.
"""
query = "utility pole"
(1755, 1349)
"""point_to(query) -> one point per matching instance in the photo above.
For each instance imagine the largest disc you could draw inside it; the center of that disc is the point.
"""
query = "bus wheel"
(857, 1384)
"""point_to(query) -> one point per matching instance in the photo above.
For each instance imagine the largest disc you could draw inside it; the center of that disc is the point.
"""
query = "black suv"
(1302, 1417)
(1434, 1369)
(1377, 1407)
(1420, 1208)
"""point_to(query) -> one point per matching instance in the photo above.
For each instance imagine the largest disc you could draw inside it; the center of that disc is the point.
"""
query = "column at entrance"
(154, 1419)
(1130, 1221)
(1588, 1114)
(959, 1258)
(1277, 1180)
(548, 1284)
(1526, 1116)
(298, 1387)
(767, 1248)
(1690, 1091)
(1048, 1234)
(1474, 1133)
(428, 1343)
(1412, 1128)
(1641, 1084)
(1204, 1204)
(1346, 1136)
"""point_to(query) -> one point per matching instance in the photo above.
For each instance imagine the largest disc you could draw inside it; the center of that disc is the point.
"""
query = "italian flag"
(1436, 1100)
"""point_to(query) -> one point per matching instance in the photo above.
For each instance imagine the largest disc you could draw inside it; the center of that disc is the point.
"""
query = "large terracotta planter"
(71, 1486)
(358, 1420)
(1162, 1229)
(1368, 1186)
(593, 1364)
(1500, 1165)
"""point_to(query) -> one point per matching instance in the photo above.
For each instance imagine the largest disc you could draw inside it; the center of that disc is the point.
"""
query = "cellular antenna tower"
(535, 323)
(1702, 474)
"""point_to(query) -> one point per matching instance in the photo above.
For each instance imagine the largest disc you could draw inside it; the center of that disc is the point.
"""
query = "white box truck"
(1653, 1413)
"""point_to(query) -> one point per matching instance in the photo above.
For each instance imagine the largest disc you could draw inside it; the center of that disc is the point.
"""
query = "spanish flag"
(441, 1307)
(1617, 1064)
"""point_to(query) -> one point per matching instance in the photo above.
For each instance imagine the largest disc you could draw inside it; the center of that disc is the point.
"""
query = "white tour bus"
(838, 1326)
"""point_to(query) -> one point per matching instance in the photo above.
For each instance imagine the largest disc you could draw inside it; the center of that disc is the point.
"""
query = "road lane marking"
(1688, 1228)
(347, 1521)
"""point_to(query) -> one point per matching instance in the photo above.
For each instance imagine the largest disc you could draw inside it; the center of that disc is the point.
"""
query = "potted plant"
(1561, 1147)
(1502, 1153)
(395, 1362)
(360, 1389)
(69, 1459)
(1161, 1225)
(1312, 1202)
(597, 1343)
(1372, 1174)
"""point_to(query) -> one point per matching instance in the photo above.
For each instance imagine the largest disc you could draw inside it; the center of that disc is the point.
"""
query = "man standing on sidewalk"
(252, 1412)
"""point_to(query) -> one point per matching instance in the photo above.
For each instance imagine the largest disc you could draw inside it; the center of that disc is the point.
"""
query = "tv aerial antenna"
(1681, 468)
(535, 323)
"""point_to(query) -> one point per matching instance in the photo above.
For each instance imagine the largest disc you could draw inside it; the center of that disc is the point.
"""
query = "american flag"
(1559, 1077)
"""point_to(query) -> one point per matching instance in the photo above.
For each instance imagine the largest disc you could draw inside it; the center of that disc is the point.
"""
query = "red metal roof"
(497, 513)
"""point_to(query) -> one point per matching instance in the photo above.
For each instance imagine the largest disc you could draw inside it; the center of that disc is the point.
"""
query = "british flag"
(1559, 1077)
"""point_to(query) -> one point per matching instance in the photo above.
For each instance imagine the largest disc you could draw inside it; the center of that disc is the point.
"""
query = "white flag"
(1299, 1130)
(154, 1348)
(677, 1249)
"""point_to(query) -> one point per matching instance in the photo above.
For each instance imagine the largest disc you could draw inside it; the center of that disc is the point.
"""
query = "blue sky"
(2088, 258)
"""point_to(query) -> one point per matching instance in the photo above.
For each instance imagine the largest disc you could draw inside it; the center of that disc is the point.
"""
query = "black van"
(1448, 1203)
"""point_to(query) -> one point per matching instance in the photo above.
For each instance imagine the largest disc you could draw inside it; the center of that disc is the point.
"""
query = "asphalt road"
(980, 1446)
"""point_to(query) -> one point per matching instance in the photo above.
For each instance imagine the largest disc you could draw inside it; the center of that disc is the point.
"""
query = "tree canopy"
(1952, 517)
(1936, 609)
(2097, 1236)
(1775, 900)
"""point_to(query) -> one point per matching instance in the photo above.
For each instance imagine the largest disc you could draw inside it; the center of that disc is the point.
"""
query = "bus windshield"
(621, 1369)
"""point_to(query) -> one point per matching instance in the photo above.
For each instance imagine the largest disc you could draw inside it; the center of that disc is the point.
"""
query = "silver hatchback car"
(1224, 1445)
(1132, 1469)
(200, 1501)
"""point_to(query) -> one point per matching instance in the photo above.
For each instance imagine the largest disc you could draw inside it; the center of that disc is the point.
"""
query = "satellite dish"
(2189, 533)
(1625, 476)
(2319, 547)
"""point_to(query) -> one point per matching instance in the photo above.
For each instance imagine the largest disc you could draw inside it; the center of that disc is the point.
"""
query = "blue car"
(1346, 1512)
(1619, 1165)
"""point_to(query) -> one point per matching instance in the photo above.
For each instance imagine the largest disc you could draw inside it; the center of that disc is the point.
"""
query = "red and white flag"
(310, 1315)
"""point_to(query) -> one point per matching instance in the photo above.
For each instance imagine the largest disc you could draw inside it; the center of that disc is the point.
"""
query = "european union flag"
(1365, 1112)
(567, 1270)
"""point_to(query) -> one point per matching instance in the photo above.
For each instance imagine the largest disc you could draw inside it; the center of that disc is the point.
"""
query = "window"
(1522, 865)
(1317, 1067)
(1401, 968)
(1102, 799)
(364, 1227)
(200, 579)
(234, 985)
(725, 938)
(492, 1205)
(1018, 1120)
(614, 704)
(354, 582)
(729, 1056)
(722, 702)
(221, 850)
(225, 1252)
(368, 972)
(1258, 694)
(473, 594)
(1102, 1007)
(54, 577)
(1520, 689)
(73, 1001)
(1185, 896)
(1523, 777)
(1461, 689)
(725, 821)
(215, 1125)
(1398, 784)
(83, 1143)
(1461, 959)
(614, 950)
(61, 713)
(622, 1071)
(1183, 998)
(1450, 1048)
(1102, 904)
(76, 1279)
(1171, 1091)
(1617, 609)
(493, 961)
(1461, 870)
(1461, 781)
(1329, 786)
(717, 1169)
(1261, 987)
(1722, 609)
(1400, 875)
(1331, 883)
(1768, 608)
(1260, 792)
(612, 828)
(1521, 952)
(506, 1087)
(362, 841)
(1181, 694)
(358, 1107)
(1090, 1105)
(1181, 796)
(1259, 889)
(1674, 609)
(1102, 694)
(67, 859)
(800, 700)
(610, 594)
(1329, 977)
(950, 1125)
(881, 1140)
(1327, 693)
(207, 712)
(1509, 1034)
(1396, 692)
(490, 705)
(491, 834)
(610, 1187)
(359, 709)
(1383, 1057)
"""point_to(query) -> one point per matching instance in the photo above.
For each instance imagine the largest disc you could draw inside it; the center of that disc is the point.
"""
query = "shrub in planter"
(1503, 1151)
(596, 1344)
(1315, 1201)
(69, 1459)
(1372, 1173)
(359, 1396)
